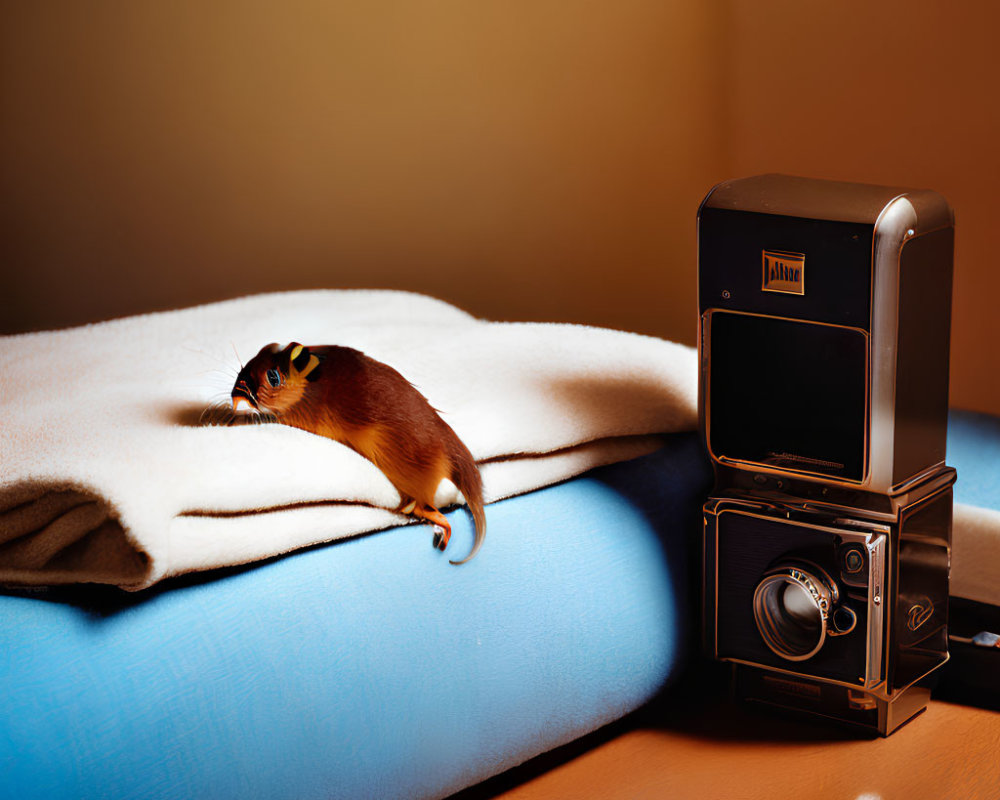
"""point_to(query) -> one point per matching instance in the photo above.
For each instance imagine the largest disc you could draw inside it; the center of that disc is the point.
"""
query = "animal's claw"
(441, 537)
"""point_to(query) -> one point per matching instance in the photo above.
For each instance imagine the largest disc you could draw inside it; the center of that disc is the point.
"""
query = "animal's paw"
(441, 537)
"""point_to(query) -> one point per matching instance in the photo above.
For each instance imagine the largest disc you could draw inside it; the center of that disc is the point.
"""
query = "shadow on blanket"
(195, 415)
(66, 530)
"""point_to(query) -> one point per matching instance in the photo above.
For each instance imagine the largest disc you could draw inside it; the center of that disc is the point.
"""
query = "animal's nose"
(242, 394)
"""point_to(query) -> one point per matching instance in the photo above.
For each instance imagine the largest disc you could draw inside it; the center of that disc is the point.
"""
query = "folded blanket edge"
(975, 553)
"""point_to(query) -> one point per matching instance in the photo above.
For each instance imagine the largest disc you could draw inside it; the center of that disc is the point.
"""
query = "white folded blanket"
(110, 475)
(975, 554)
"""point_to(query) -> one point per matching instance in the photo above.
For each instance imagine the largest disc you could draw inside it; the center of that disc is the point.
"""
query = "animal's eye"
(274, 377)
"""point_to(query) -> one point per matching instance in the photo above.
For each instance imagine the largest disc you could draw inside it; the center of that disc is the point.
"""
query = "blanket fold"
(113, 473)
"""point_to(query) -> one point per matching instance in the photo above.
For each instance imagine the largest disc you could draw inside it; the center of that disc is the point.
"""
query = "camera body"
(823, 396)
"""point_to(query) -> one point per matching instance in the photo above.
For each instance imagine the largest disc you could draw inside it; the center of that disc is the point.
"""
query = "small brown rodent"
(341, 393)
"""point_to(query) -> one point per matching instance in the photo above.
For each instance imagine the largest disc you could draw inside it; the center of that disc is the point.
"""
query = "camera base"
(859, 709)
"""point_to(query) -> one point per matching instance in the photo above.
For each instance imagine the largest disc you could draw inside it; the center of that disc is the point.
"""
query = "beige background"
(525, 160)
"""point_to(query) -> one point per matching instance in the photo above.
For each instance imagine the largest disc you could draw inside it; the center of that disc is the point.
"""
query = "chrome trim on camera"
(877, 591)
(893, 222)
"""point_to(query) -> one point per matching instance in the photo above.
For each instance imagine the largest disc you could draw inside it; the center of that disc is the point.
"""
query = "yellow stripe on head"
(313, 363)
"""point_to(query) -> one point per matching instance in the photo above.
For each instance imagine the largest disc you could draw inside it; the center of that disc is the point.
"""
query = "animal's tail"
(465, 475)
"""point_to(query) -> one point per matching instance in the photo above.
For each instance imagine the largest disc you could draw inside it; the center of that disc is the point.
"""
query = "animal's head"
(275, 379)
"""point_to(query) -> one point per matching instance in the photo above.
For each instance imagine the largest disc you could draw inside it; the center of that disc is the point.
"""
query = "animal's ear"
(302, 363)
(298, 356)
(269, 349)
(284, 359)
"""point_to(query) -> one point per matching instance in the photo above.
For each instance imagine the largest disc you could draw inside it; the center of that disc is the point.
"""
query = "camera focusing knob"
(854, 560)
(843, 621)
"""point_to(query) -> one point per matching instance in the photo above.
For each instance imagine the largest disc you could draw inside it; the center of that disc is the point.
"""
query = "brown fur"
(341, 393)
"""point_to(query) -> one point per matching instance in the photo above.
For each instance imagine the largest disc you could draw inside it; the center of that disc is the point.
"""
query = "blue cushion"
(974, 450)
(367, 668)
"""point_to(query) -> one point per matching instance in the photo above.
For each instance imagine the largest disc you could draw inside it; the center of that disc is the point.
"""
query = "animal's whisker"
(215, 414)
(199, 352)
(228, 374)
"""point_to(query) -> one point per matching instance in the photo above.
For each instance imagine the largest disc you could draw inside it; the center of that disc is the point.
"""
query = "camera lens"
(790, 606)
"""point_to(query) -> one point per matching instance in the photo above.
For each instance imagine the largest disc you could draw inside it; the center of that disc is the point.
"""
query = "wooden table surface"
(689, 745)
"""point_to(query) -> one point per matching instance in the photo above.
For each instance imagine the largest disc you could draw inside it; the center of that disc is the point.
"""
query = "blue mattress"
(366, 668)
(974, 451)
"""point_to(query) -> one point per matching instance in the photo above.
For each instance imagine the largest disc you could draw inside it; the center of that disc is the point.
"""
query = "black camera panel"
(837, 276)
(788, 394)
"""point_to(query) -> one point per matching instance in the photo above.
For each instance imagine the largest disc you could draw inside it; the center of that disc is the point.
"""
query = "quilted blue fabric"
(366, 668)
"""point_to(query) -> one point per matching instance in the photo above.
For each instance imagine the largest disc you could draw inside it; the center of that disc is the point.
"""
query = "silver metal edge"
(891, 229)
(876, 610)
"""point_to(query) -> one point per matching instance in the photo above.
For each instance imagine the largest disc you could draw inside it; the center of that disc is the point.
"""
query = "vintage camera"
(824, 343)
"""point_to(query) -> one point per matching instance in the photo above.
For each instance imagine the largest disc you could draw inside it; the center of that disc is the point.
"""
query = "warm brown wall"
(526, 159)
(899, 92)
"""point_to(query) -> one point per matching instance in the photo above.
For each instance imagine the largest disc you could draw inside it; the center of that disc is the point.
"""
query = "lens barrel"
(791, 606)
